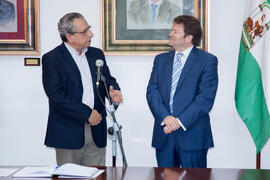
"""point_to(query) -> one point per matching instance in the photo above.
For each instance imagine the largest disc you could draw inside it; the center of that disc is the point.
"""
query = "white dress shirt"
(83, 66)
(186, 53)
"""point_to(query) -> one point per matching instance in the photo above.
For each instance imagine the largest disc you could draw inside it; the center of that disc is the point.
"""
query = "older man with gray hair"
(77, 127)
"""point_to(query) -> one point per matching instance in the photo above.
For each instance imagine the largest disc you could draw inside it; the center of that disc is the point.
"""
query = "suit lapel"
(168, 67)
(191, 60)
(92, 66)
(69, 60)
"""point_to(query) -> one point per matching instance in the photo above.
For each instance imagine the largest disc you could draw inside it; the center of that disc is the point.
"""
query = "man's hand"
(171, 124)
(95, 118)
(116, 95)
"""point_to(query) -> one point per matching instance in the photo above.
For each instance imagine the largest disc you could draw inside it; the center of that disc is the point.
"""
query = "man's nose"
(90, 33)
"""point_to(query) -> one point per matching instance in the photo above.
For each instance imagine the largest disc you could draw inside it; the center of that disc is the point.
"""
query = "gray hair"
(65, 25)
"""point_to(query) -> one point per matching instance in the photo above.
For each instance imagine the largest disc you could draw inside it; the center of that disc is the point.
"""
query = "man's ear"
(69, 38)
(189, 38)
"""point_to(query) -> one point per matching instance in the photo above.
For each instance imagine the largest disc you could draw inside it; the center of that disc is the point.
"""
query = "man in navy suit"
(180, 94)
(77, 126)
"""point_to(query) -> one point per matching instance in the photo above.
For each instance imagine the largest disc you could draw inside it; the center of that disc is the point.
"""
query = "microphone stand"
(115, 130)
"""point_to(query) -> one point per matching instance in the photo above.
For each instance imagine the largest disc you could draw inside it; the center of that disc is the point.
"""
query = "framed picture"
(19, 27)
(135, 27)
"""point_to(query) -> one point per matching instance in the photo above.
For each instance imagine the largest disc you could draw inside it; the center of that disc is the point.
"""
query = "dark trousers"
(171, 155)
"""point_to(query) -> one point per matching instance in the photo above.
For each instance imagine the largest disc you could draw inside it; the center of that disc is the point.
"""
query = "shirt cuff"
(181, 124)
(162, 124)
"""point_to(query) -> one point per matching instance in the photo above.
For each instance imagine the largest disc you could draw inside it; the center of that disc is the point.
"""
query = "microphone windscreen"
(99, 63)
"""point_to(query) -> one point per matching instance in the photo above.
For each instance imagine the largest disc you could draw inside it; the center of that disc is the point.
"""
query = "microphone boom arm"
(115, 130)
(117, 134)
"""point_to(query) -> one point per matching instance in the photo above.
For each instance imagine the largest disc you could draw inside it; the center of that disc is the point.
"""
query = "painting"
(142, 27)
(19, 27)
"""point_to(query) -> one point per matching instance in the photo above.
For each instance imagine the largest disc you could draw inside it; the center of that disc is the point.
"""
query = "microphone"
(99, 64)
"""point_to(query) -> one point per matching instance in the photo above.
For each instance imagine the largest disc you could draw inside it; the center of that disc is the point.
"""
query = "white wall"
(24, 108)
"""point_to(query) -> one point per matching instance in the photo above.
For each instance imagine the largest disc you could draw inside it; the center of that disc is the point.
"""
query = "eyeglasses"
(84, 31)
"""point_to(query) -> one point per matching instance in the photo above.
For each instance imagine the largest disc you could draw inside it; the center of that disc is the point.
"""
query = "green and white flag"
(252, 92)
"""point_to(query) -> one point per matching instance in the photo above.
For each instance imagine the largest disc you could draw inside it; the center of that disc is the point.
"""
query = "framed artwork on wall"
(19, 27)
(133, 27)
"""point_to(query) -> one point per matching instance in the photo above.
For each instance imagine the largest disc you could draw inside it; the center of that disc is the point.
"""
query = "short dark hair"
(65, 24)
(192, 26)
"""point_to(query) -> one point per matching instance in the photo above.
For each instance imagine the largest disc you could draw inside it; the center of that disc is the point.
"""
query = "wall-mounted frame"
(19, 27)
(123, 33)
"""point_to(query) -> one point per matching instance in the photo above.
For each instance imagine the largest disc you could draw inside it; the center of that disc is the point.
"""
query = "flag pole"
(258, 160)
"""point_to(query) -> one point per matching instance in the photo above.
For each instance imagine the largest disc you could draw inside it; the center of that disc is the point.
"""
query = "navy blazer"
(63, 86)
(193, 99)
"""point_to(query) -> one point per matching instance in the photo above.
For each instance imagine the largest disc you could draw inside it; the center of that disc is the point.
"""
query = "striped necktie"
(154, 12)
(177, 69)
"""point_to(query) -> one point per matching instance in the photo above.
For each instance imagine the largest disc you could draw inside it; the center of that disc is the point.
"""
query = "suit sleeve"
(67, 106)
(204, 100)
(153, 96)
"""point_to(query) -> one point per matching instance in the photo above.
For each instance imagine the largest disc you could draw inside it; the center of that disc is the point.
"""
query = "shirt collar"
(73, 51)
(158, 3)
(186, 52)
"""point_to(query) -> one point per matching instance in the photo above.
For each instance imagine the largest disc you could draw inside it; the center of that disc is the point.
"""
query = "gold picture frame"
(20, 33)
(118, 39)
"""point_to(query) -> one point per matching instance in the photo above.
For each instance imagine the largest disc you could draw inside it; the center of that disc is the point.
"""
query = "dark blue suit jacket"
(63, 86)
(193, 99)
